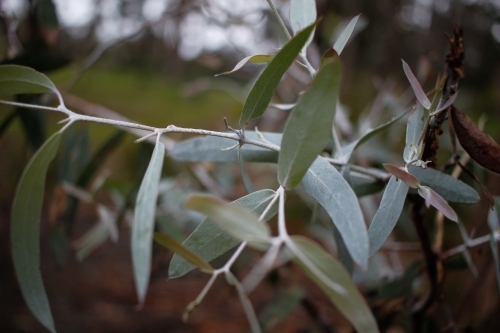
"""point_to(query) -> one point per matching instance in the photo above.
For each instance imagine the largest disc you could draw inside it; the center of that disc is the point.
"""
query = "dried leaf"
(477, 144)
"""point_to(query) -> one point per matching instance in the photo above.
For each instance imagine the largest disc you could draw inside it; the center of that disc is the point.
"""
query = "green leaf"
(209, 149)
(91, 240)
(448, 187)
(414, 128)
(237, 221)
(350, 303)
(325, 184)
(351, 147)
(256, 59)
(144, 218)
(310, 124)
(417, 89)
(210, 241)
(263, 90)
(302, 14)
(279, 308)
(342, 251)
(183, 251)
(387, 214)
(25, 231)
(494, 226)
(345, 35)
(24, 80)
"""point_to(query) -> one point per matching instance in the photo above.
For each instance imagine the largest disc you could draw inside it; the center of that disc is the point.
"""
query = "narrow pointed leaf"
(350, 303)
(325, 184)
(434, 199)
(25, 231)
(345, 35)
(342, 251)
(350, 148)
(387, 214)
(407, 178)
(302, 14)
(90, 241)
(24, 80)
(183, 251)
(144, 218)
(483, 149)
(237, 221)
(417, 89)
(310, 123)
(449, 188)
(209, 149)
(414, 128)
(494, 226)
(258, 58)
(263, 90)
(209, 241)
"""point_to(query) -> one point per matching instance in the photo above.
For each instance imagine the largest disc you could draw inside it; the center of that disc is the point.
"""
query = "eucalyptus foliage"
(303, 159)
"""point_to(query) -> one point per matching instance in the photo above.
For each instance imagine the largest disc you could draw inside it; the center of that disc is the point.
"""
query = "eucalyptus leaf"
(91, 240)
(183, 251)
(448, 187)
(351, 147)
(310, 124)
(259, 58)
(350, 303)
(342, 251)
(263, 90)
(25, 231)
(493, 219)
(325, 184)
(236, 220)
(387, 214)
(417, 89)
(24, 80)
(414, 128)
(345, 35)
(302, 14)
(209, 241)
(209, 149)
(144, 217)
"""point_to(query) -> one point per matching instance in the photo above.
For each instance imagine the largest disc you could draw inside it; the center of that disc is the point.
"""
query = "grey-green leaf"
(209, 149)
(310, 124)
(24, 80)
(493, 218)
(25, 231)
(236, 220)
(144, 218)
(345, 35)
(183, 251)
(258, 58)
(414, 128)
(387, 214)
(448, 187)
(302, 14)
(263, 90)
(350, 303)
(325, 184)
(209, 241)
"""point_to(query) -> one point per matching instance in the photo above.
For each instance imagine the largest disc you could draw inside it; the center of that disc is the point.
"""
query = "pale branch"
(469, 244)
(142, 130)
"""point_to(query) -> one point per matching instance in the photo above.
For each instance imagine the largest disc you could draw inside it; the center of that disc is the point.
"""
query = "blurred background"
(154, 61)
